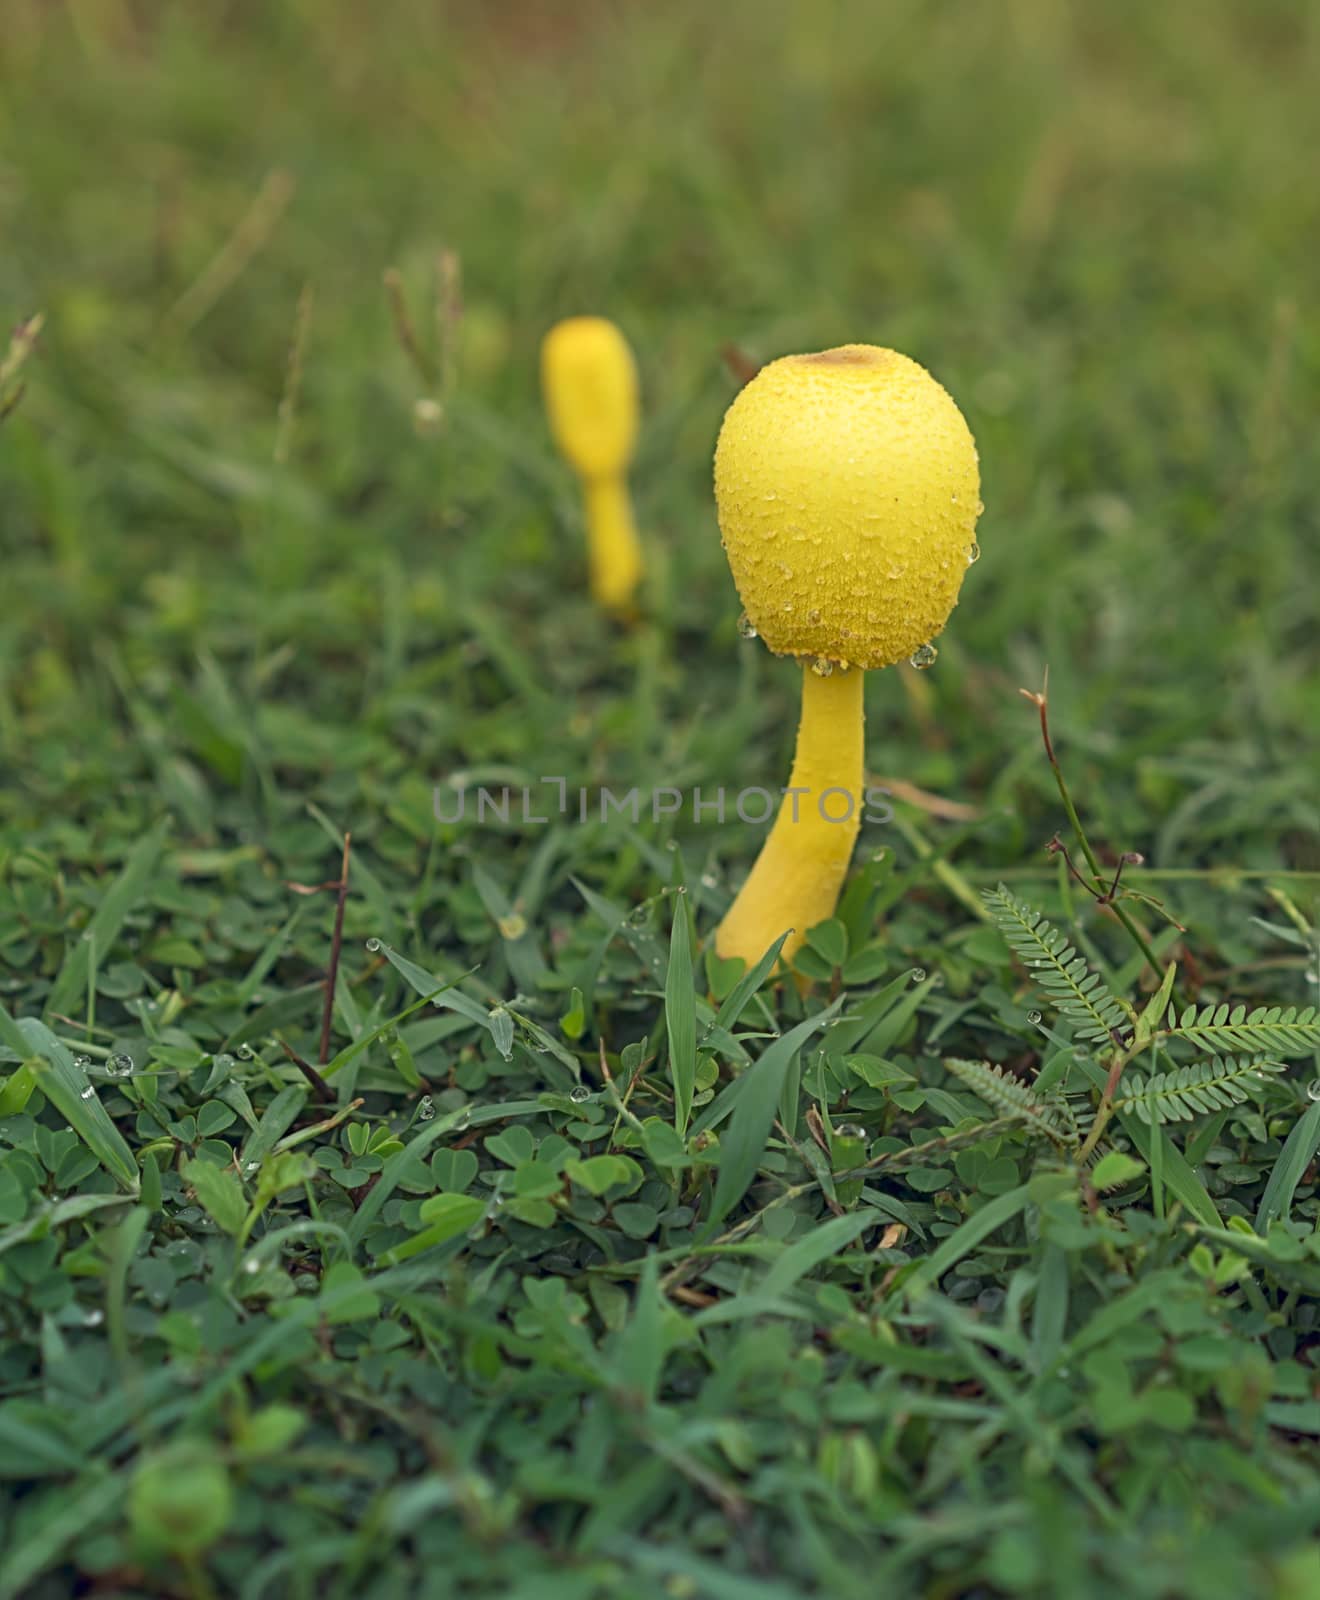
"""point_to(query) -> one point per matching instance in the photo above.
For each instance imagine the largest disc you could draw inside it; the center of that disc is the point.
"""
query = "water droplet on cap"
(746, 627)
(924, 656)
(822, 668)
(974, 554)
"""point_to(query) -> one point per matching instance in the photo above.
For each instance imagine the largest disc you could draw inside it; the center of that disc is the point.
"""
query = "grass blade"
(1178, 1174)
(747, 985)
(118, 902)
(681, 1017)
(440, 992)
(1297, 1154)
(963, 1240)
(753, 1115)
(66, 1086)
(808, 1252)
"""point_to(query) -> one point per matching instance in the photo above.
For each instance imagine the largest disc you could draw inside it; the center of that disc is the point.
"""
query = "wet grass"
(460, 1306)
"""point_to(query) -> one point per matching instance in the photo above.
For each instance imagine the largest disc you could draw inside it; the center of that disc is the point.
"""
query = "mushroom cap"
(589, 380)
(847, 489)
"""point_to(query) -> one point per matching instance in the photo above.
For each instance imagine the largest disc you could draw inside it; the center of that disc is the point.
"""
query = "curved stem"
(614, 552)
(796, 879)
(1131, 925)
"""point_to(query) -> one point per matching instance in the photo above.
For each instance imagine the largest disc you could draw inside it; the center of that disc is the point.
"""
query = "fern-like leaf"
(1270, 1030)
(1079, 993)
(1010, 1097)
(1184, 1092)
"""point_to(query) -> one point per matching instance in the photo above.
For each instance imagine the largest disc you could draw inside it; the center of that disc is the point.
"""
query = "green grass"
(863, 1316)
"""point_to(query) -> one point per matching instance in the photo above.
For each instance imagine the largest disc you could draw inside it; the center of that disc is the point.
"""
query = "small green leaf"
(1114, 1170)
(663, 1145)
(574, 1021)
(269, 1431)
(219, 1194)
(599, 1173)
(1153, 1012)
(180, 1500)
(344, 1295)
(830, 942)
(451, 1214)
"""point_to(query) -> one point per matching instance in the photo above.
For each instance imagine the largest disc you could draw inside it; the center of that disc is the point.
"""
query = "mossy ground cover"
(578, 1269)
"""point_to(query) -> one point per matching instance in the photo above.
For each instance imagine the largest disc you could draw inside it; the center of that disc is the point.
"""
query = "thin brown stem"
(320, 1088)
(336, 947)
(1040, 699)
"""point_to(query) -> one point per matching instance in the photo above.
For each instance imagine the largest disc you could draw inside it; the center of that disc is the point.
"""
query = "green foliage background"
(425, 1350)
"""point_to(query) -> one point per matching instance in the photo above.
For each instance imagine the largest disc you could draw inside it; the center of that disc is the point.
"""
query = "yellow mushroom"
(589, 380)
(847, 488)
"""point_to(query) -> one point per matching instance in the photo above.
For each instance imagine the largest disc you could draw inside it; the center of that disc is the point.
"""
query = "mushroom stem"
(614, 552)
(796, 879)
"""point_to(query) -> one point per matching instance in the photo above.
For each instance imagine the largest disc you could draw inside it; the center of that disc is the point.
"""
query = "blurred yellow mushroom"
(847, 488)
(589, 380)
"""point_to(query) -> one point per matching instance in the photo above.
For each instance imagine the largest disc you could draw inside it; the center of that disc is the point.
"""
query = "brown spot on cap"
(847, 355)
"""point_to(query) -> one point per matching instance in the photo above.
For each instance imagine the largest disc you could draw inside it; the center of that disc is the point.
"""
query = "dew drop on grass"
(918, 974)
(119, 1066)
(579, 1094)
(850, 1130)
(94, 1319)
(746, 627)
(246, 1053)
(924, 656)
(87, 1093)
(1313, 1089)
(252, 1266)
(1034, 1018)
(82, 1061)
(224, 1061)
(425, 1109)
